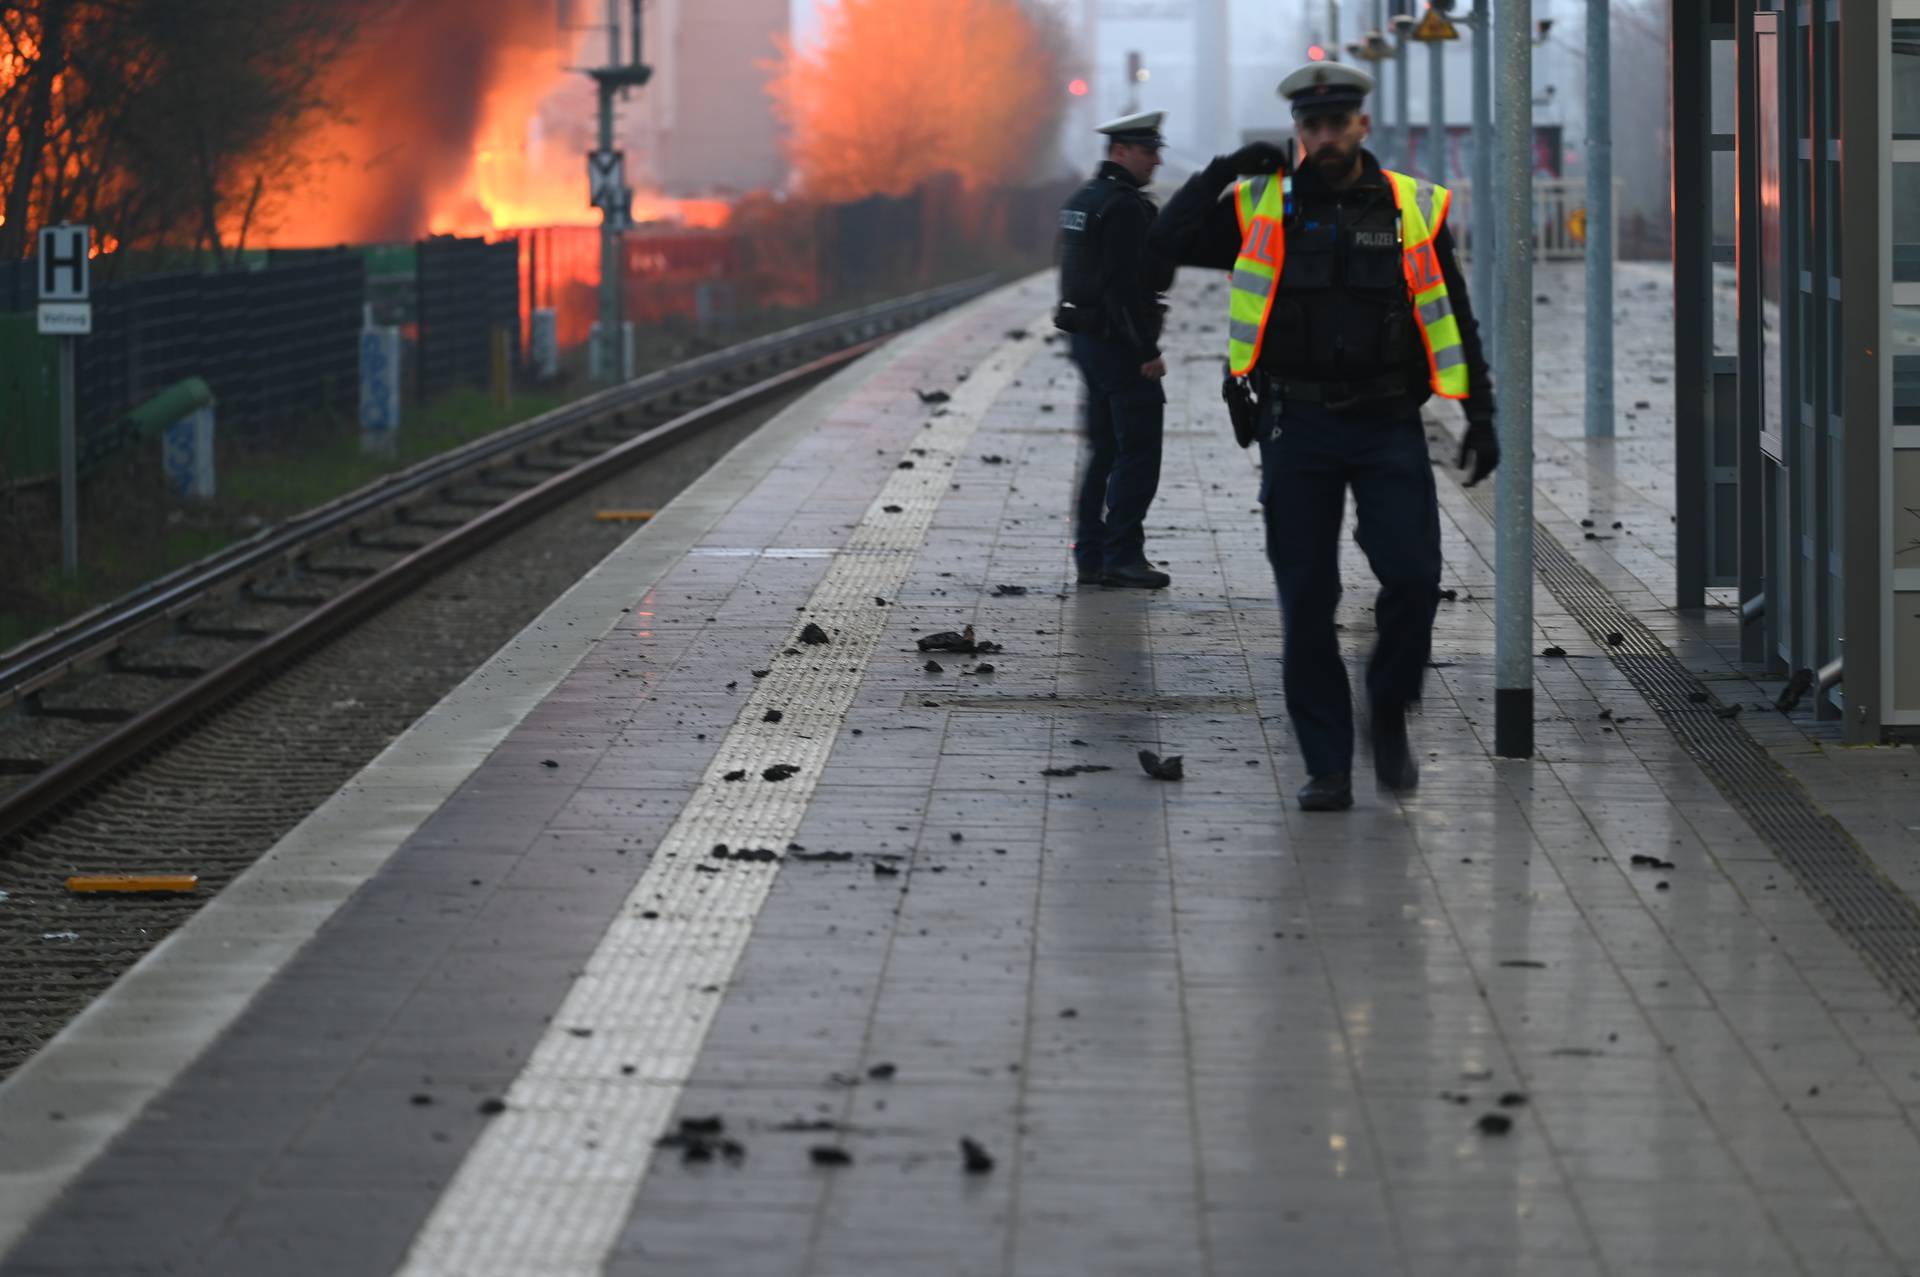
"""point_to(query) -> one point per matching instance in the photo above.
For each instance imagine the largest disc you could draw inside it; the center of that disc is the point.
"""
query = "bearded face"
(1331, 141)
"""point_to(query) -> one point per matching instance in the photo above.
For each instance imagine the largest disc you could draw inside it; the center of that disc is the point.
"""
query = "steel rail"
(91, 637)
(102, 757)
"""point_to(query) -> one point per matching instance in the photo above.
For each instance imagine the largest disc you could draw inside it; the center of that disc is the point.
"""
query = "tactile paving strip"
(549, 1185)
(1863, 905)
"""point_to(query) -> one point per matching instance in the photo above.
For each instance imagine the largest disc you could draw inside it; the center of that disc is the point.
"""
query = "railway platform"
(715, 926)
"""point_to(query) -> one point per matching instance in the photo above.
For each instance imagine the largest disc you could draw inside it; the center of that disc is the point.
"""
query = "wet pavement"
(947, 981)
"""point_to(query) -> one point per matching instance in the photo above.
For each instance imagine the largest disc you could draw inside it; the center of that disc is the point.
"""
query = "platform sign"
(607, 177)
(66, 319)
(1435, 26)
(65, 266)
(66, 281)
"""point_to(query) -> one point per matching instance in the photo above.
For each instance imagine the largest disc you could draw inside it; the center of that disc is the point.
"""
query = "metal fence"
(1559, 217)
(273, 343)
(465, 289)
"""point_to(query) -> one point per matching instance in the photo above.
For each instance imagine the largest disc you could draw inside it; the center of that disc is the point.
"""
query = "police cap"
(1326, 86)
(1141, 130)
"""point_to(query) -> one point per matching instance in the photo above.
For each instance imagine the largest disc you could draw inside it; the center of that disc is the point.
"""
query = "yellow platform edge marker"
(173, 883)
(623, 516)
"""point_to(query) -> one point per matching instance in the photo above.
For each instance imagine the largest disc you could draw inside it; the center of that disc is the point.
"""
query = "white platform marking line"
(549, 1184)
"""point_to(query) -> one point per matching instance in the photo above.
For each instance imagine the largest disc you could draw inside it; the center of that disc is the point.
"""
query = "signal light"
(1316, 54)
(1077, 87)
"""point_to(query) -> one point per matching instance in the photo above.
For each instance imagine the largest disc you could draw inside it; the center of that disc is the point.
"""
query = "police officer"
(1110, 287)
(1347, 312)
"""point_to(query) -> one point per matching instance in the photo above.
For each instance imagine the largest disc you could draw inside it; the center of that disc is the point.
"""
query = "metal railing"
(1559, 217)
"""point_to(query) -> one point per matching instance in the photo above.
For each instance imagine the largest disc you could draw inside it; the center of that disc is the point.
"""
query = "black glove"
(1258, 158)
(1482, 445)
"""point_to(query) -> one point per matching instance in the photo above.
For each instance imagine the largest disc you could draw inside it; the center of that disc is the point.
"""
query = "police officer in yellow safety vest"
(1347, 313)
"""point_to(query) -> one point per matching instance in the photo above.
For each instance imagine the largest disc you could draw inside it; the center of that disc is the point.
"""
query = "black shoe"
(1327, 793)
(1139, 577)
(1088, 576)
(1393, 761)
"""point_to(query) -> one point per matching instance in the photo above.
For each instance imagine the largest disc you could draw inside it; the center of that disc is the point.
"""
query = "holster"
(1242, 408)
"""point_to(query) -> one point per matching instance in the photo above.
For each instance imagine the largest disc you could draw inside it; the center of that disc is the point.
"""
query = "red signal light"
(1077, 87)
(1316, 54)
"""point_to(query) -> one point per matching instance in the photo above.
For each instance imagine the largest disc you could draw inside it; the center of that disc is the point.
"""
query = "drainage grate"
(1875, 916)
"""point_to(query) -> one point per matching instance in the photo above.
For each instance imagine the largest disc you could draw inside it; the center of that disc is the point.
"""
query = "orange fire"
(898, 91)
(488, 135)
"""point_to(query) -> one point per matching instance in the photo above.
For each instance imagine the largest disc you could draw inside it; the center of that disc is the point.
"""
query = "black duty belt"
(1335, 394)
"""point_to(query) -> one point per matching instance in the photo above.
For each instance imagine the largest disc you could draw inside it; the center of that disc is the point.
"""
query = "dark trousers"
(1307, 464)
(1126, 416)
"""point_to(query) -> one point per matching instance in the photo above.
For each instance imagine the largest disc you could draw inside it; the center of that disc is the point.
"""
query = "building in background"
(705, 124)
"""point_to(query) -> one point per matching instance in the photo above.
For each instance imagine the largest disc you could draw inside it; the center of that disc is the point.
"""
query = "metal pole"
(1403, 133)
(1333, 30)
(1513, 560)
(1436, 111)
(611, 315)
(1483, 198)
(1599, 221)
(69, 467)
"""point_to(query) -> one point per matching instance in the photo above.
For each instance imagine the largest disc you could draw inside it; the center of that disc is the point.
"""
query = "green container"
(29, 400)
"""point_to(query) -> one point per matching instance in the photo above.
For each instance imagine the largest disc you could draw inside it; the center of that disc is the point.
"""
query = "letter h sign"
(64, 263)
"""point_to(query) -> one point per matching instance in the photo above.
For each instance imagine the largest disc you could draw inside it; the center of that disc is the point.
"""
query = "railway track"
(108, 688)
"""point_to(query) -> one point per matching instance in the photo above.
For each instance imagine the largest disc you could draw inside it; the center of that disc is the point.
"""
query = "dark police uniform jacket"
(1343, 313)
(1108, 274)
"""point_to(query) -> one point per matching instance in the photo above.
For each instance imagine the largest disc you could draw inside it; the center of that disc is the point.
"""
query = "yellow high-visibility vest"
(1260, 203)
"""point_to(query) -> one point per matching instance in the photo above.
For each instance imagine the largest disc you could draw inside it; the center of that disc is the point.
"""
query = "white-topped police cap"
(1326, 86)
(1142, 129)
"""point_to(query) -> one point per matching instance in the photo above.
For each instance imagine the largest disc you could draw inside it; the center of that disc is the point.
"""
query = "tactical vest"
(1261, 204)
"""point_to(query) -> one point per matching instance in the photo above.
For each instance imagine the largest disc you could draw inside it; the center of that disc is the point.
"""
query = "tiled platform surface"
(1199, 1031)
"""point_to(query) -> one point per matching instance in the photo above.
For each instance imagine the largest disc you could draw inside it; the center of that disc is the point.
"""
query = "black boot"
(1392, 754)
(1327, 793)
(1140, 576)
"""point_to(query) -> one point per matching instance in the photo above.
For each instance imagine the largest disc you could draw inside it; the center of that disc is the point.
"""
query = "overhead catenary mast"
(607, 181)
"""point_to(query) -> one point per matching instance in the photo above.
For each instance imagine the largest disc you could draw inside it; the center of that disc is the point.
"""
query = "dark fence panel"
(273, 343)
(467, 288)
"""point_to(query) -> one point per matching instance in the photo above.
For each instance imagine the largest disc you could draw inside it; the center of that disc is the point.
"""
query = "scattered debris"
(1523, 962)
(822, 857)
(1008, 591)
(548, 762)
(1076, 769)
(1494, 1124)
(59, 937)
(1650, 862)
(933, 396)
(904, 465)
(883, 1071)
(492, 1106)
(1727, 711)
(772, 716)
(759, 673)
(756, 855)
(881, 869)
(700, 1139)
(808, 1124)
(780, 771)
(973, 1157)
(1513, 1100)
(893, 509)
(1018, 334)
(1449, 596)
(829, 1155)
(813, 635)
(420, 1099)
(1578, 1052)
(1070, 1013)
(737, 774)
(1797, 687)
(1558, 652)
(1616, 639)
(1455, 1097)
(984, 667)
(1162, 768)
(934, 667)
(993, 459)
(962, 642)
